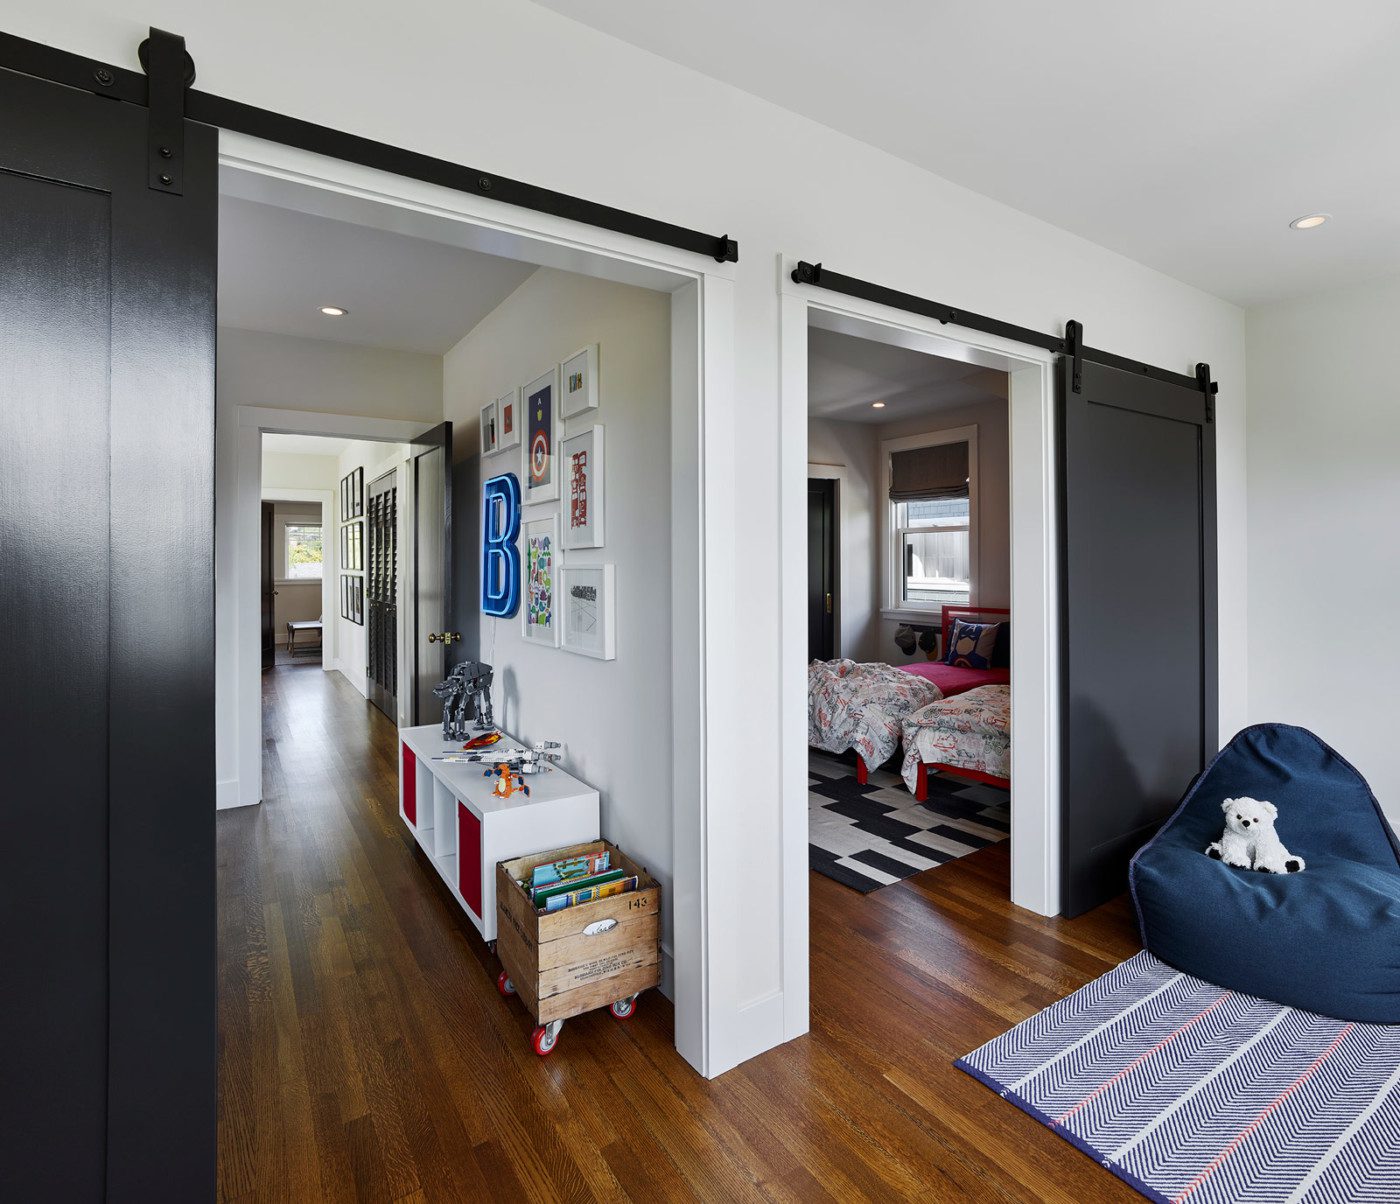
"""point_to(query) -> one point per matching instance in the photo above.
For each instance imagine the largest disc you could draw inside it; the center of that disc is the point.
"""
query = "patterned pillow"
(970, 645)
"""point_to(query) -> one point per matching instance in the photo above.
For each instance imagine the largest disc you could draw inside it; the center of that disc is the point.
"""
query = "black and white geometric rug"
(866, 837)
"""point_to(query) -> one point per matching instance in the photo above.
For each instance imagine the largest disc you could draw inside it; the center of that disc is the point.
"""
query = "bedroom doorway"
(909, 726)
(1024, 377)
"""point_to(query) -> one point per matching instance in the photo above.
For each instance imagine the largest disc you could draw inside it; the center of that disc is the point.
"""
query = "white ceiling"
(305, 445)
(845, 374)
(277, 267)
(1185, 135)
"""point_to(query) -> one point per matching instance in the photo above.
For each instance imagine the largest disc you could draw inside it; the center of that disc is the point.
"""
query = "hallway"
(365, 1054)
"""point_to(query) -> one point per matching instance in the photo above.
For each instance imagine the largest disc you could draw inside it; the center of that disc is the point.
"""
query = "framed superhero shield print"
(540, 401)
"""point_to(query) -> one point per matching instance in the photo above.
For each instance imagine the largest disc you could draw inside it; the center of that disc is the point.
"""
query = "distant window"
(932, 488)
(303, 551)
(934, 542)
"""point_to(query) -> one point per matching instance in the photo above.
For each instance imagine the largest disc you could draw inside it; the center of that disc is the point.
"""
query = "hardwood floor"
(364, 1053)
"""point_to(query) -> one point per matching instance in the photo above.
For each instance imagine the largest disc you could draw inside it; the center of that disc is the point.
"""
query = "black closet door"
(107, 868)
(1138, 616)
(432, 635)
(821, 569)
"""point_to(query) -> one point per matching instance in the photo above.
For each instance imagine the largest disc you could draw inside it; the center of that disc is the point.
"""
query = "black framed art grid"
(352, 546)
(352, 495)
(352, 598)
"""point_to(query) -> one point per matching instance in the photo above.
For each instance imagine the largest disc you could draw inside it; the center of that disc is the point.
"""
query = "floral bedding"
(851, 705)
(970, 731)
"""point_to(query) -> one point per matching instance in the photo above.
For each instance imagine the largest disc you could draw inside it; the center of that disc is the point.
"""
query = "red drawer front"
(469, 859)
(408, 772)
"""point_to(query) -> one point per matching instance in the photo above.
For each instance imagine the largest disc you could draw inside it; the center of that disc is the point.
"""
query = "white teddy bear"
(1249, 840)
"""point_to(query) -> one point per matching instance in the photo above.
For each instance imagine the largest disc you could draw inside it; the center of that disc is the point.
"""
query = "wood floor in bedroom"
(364, 1053)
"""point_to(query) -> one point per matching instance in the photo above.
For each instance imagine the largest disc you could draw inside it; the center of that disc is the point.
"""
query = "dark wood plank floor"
(365, 1055)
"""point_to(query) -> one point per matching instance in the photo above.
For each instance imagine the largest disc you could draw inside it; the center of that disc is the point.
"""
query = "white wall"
(865, 635)
(285, 372)
(310, 375)
(614, 716)
(605, 120)
(1324, 503)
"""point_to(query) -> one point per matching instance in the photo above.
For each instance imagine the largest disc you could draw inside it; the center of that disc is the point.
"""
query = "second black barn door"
(1138, 640)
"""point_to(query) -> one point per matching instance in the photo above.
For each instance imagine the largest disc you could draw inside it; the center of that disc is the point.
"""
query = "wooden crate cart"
(563, 963)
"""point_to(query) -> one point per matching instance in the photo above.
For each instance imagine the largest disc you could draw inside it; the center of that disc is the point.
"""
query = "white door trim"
(714, 1030)
(1035, 803)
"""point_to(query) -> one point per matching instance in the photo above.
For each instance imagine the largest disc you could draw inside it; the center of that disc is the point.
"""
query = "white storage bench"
(465, 828)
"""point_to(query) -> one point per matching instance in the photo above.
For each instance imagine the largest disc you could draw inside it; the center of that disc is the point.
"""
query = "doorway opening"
(330, 578)
(438, 316)
(292, 554)
(899, 562)
(909, 632)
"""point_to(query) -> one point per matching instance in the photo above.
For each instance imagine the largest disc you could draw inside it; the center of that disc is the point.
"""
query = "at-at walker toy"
(468, 685)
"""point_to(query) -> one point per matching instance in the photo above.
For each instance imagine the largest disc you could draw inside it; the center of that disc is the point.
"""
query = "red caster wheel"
(504, 984)
(545, 1038)
(624, 1008)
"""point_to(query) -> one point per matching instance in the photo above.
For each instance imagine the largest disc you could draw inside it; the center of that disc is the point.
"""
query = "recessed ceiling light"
(334, 311)
(877, 405)
(1308, 222)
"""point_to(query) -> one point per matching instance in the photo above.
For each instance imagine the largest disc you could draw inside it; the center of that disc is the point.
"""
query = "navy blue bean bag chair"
(1326, 939)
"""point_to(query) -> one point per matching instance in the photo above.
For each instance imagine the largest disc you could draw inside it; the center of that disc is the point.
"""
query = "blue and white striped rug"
(1192, 1093)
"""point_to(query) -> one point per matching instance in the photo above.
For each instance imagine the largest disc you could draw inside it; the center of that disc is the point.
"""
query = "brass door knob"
(447, 637)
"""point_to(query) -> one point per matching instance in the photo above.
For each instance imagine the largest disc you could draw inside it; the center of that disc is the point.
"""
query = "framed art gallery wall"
(615, 715)
(362, 461)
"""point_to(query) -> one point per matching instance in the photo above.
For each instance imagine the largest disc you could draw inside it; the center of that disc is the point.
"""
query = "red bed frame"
(976, 775)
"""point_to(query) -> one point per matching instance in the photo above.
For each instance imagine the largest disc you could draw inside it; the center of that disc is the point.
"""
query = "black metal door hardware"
(1070, 344)
(165, 89)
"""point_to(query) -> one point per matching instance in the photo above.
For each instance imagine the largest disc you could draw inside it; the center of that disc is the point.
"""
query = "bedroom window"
(303, 551)
(930, 553)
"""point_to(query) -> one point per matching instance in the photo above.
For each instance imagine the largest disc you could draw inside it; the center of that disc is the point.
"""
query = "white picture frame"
(588, 609)
(583, 486)
(540, 567)
(489, 446)
(539, 458)
(578, 382)
(508, 421)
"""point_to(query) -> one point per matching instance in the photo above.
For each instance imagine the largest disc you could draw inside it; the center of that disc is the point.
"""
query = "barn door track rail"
(165, 89)
(1071, 343)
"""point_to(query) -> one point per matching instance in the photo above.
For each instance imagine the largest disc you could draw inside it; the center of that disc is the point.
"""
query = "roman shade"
(921, 473)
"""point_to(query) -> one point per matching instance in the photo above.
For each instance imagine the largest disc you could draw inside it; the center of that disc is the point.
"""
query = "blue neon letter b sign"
(500, 556)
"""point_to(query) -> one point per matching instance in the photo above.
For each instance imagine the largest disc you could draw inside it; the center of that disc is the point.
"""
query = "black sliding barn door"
(1138, 635)
(107, 291)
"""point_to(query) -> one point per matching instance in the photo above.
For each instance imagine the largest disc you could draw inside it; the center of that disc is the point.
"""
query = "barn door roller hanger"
(165, 89)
